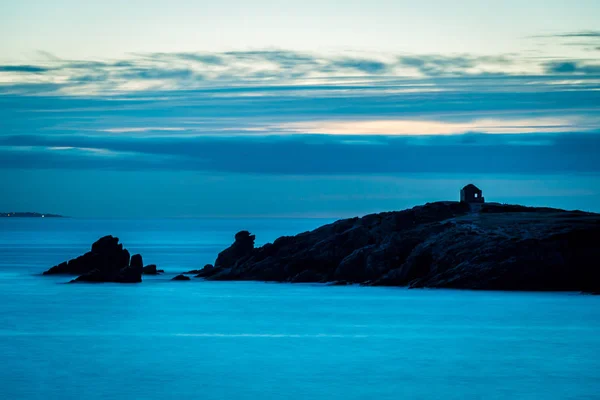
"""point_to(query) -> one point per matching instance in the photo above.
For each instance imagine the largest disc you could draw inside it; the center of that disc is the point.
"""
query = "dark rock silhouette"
(107, 261)
(193, 272)
(338, 283)
(181, 278)
(206, 268)
(152, 270)
(442, 245)
(137, 262)
(241, 248)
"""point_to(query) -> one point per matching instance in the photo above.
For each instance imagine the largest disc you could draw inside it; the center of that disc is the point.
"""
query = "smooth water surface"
(250, 340)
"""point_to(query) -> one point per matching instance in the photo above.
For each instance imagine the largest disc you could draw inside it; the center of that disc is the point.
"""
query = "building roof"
(470, 186)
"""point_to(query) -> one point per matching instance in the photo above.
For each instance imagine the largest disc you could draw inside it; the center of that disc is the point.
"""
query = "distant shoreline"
(28, 215)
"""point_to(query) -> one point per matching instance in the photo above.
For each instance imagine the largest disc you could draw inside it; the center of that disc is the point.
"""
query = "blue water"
(249, 340)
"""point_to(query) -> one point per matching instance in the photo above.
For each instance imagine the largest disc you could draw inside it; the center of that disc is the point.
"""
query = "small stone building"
(471, 194)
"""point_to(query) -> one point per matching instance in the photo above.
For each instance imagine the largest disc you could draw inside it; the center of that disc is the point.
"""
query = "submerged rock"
(442, 245)
(107, 261)
(181, 277)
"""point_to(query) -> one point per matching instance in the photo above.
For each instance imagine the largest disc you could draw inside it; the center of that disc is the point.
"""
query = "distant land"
(28, 215)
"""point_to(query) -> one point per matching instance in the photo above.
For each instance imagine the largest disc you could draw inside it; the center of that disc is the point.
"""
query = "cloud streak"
(23, 68)
(572, 67)
(185, 71)
(581, 34)
(310, 154)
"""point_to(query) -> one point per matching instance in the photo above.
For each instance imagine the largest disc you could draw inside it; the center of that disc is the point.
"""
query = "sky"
(311, 109)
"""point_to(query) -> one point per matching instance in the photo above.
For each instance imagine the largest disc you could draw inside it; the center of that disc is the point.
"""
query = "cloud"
(454, 104)
(436, 65)
(572, 67)
(588, 40)
(581, 34)
(23, 68)
(154, 73)
(431, 127)
(362, 65)
(310, 154)
(439, 65)
(283, 58)
(142, 129)
(196, 70)
(91, 150)
(561, 67)
(205, 58)
(285, 112)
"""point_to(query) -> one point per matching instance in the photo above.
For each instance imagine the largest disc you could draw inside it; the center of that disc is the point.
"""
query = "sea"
(252, 340)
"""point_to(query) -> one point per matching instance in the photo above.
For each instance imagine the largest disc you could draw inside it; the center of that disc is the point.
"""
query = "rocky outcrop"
(181, 277)
(152, 270)
(206, 268)
(107, 261)
(442, 245)
(241, 248)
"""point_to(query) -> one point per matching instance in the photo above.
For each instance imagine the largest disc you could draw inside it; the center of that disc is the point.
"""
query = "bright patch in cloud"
(418, 127)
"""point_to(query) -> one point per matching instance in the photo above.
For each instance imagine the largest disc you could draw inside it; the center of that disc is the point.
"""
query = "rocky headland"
(437, 245)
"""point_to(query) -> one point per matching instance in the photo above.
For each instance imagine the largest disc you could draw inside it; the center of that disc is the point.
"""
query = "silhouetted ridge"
(444, 244)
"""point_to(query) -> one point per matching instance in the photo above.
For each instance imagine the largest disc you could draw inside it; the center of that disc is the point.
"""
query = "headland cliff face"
(437, 245)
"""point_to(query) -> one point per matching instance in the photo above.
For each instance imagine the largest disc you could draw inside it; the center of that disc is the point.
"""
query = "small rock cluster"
(107, 261)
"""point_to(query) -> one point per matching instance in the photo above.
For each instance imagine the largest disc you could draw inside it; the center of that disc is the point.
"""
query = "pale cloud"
(85, 150)
(142, 129)
(423, 127)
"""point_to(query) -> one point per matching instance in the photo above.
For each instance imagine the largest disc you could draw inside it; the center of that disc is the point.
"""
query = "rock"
(339, 283)
(442, 245)
(242, 247)
(94, 275)
(181, 278)
(62, 268)
(193, 272)
(206, 268)
(107, 261)
(106, 244)
(132, 273)
(152, 270)
(106, 252)
(308, 276)
(136, 261)
(354, 266)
